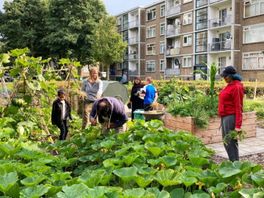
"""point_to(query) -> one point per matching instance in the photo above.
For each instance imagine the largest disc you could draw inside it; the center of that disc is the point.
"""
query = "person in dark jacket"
(110, 112)
(61, 113)
(135, 100)
(230, 109)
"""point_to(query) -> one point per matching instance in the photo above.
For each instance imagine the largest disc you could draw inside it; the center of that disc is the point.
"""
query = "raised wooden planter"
(212, 133)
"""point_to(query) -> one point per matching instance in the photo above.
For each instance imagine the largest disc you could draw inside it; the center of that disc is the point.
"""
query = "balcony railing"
(173, 51)
(200, 3)
(173, 31)
(132, 56)
(220, 22)
(214, 1)
(169, 72)
(173, 10)
(133, 24)
(133, 40)
(220, 46)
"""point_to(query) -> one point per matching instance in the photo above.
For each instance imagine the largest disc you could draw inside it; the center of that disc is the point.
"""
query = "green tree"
(70, 27)
(108, 46)
(22, 25)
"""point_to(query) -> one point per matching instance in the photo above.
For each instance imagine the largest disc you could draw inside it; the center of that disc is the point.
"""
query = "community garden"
(148, 160)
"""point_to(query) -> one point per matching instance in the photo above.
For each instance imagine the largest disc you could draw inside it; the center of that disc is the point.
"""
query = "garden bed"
(212, 133)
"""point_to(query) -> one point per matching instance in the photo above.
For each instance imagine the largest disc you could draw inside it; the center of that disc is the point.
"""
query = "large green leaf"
(155, 150)
(177, 192)
(167, 178)
(134, 193)
(126, 174)
(228, 170)
(33, 181)
(200, 195)
(155, 193)
(130, 158)
(34, 191)
(76, 191)
(252, 193)
(258, 178)
(143, 181)
(7, 181)
(219, 188)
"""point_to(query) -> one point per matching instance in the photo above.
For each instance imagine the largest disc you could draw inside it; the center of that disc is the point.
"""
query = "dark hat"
(61, 91)
(228, 70)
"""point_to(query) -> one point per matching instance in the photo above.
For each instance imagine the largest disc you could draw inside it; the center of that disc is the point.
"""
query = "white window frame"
(162, 47)
(162, 10)
(176, 3)
(153, 12)
(187, 18)
(253, 29)
(151, 63)
(187, 58)
(257, 11)
(151, 52)
(189, 40)
(164, 66)
(162, 25)
(151, 31)
(258, 64)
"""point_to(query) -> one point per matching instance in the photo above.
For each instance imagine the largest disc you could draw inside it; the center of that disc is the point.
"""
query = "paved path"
(247, 146)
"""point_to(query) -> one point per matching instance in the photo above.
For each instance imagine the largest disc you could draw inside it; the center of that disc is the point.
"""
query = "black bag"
(129, 105)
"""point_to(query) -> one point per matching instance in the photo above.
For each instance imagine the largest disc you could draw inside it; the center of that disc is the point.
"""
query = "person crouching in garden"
(61, 113)
(230, 109)
(110, 113)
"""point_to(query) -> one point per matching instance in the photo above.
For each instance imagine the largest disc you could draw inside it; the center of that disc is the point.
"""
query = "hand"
(238, 130)
(93, 121)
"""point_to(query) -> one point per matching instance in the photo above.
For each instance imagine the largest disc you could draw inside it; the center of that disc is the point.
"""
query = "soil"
(255, 158)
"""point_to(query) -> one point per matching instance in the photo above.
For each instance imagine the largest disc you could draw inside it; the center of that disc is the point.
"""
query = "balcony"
(213, 23)
(133, 24)
(133, 56)
(170, 72)
(200, 3)
(220, 46)
(173, 52)
(125, 56)
(174, 10)
(172, 31)
(216, 1)
(133, 41)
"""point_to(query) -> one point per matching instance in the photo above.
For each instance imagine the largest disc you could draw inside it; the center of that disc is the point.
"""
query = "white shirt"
(63, 113)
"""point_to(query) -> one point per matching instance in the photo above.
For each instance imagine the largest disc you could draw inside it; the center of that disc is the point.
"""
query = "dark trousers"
(63, 126)
(231, 145)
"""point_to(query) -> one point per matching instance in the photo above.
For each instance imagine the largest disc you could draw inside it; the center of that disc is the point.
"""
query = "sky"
(115, 7)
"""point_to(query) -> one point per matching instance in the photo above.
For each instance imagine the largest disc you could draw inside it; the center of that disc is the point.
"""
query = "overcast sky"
(115, 7)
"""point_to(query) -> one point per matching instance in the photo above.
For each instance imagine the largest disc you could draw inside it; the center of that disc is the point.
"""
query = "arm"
(156, 97)
(93, 114)
(100, 90)
(53, 114)
(69, 106)
(238, 102)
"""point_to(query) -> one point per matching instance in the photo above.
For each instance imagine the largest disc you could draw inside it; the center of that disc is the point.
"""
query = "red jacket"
(231, 101)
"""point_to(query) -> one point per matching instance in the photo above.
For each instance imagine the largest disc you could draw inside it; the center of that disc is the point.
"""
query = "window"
(162, 47)
(201, 19)
(162, 28)
(162, 65)
(187, 18)
(253, 61)
(176, 2)
(200, 3)
(187, 40)
(162, 10)
(187, 61)
(254, 33)
(253, 8)
(187, 1)
(201, 42)
(151, 66)
(221, 64)
(151, 49)
(151, 31)
(151, 14)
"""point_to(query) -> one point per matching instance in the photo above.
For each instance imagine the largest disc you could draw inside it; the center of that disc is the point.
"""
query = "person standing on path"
(61, 113)
(230, 109)
(151, 94)
(92, 89)
(135, 100)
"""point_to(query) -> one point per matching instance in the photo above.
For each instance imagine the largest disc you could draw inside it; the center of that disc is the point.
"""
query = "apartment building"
(201, 32)
(155, 40)
(131, 25)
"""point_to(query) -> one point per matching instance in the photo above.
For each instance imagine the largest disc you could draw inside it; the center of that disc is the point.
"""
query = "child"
(61, 113)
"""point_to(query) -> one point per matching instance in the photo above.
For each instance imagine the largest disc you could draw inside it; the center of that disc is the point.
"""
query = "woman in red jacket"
(230, 109)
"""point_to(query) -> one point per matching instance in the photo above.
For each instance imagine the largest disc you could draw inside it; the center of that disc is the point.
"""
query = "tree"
(70, 27)
(23, 25)
(108, 46)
